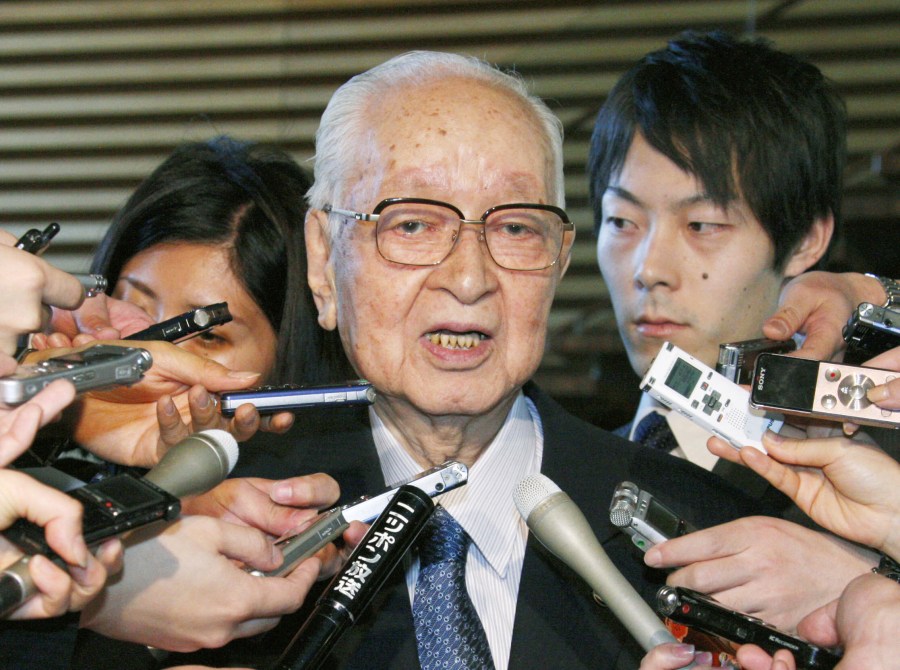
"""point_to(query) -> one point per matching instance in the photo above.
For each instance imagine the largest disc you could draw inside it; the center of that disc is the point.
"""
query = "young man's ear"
(320, 273)
(811, 248)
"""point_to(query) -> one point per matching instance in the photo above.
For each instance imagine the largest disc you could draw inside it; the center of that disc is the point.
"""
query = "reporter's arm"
(181, 590)
(864, 621)
(766, 567)
(98, 318)
(202, 412)
(886, 395)
(673, 656)
(848, 487)
(107, 421)
(18, 426)
(278, 507)
(27, 285)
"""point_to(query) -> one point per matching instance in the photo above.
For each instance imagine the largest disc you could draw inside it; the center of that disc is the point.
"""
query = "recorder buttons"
(852, 391)
(832, 374)
(829, 401)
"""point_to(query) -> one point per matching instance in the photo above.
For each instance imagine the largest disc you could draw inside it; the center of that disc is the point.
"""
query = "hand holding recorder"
(817, 304)
(886, 395)
(850, 488)
(28, 284)
(59, 517)
(863, 621)
(767, 567)
(128, 416)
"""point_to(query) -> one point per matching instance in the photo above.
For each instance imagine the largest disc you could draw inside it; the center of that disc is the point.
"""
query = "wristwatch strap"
(891, 288)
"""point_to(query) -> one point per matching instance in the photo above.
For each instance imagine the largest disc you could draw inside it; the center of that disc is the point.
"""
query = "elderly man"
(436, 239)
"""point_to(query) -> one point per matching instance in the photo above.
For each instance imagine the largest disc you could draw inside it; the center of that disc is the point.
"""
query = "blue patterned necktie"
(653, 431)
(449, 634)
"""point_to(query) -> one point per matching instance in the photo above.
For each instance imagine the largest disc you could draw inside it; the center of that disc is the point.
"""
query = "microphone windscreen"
(196, 464)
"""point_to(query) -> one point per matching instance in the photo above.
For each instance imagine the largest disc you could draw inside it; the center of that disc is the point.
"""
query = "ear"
(320, 273)
(811, 248)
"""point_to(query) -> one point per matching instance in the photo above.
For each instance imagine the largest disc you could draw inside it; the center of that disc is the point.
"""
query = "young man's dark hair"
(743, 118)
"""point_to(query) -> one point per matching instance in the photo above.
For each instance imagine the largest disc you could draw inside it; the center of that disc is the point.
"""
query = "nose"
(468, 272)
(657, 264)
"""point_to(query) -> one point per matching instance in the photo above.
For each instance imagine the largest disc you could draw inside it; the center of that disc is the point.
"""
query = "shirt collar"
(513, 454)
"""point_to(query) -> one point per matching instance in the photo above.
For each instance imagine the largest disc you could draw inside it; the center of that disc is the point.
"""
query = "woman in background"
(223, 221)
(217, 221)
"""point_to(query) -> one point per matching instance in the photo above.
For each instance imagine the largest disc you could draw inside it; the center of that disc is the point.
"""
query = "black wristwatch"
(891, 289)
(889, 568)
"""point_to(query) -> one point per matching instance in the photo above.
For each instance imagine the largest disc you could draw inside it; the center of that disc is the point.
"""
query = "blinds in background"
(95, 93)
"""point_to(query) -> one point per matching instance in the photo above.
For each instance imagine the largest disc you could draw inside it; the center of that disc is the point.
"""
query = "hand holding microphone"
(561, 527)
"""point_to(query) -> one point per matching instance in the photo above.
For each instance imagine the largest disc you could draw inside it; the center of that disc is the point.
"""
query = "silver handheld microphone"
(561, 527)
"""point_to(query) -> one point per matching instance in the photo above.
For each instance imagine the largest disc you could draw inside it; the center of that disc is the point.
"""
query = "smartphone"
(112, 506)
(820, 390)
(738, 359)
(331, 523)
(187, 325)
(871, 330)
(100, 366)
(644, 517)
(698, 611)
(692, 388)
(291, 397)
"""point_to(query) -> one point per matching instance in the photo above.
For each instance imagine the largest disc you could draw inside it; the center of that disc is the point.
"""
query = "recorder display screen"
(661, 518)
(683, 378)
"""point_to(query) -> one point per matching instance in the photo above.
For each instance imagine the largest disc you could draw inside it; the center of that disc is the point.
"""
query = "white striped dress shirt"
(484, 507)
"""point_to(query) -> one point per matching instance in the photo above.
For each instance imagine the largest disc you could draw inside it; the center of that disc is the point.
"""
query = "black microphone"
(353, 588)
(561, 527)
(194, 465)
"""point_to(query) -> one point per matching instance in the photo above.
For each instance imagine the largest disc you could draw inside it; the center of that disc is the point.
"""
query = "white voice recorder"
(692, 388)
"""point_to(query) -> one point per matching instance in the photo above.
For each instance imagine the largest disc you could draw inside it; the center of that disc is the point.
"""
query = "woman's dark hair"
(250, 199)
(743, 118)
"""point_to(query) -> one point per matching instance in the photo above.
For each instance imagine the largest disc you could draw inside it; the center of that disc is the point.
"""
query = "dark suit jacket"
(740, 477)
(557, 622)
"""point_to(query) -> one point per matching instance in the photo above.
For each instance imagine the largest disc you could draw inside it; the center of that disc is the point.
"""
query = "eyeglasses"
(417, 231)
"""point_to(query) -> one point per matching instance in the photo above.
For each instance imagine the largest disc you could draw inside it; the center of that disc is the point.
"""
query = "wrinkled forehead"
(419, 138)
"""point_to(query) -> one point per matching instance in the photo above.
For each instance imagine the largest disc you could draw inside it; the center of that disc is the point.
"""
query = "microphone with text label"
(352, 589)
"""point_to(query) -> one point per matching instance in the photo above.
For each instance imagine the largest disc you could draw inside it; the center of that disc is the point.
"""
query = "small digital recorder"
(820, 389)
(738, 359)
(644, 517)
(291, 397)
(97, 367)
(329, 525)
(692, 388)
(698, 611)
(871, 330)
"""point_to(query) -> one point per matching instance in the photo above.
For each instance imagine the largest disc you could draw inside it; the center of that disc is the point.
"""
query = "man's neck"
(431, 440)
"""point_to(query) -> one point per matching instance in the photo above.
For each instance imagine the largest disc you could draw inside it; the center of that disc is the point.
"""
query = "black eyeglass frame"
(566, 224)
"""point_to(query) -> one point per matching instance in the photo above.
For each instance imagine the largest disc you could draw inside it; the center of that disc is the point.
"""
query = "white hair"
(343, 130)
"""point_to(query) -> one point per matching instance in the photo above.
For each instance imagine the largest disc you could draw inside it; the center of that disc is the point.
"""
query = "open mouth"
(452, 340)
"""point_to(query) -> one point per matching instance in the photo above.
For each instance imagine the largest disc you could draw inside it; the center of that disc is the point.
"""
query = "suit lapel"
(556, 616)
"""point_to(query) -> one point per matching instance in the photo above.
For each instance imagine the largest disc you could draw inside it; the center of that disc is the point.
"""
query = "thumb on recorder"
(117, 504)
(60, 516)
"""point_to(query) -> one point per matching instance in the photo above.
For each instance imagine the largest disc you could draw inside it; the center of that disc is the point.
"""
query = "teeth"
(456, 341)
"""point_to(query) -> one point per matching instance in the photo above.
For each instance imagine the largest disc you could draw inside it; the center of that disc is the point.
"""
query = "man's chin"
(641, 359)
